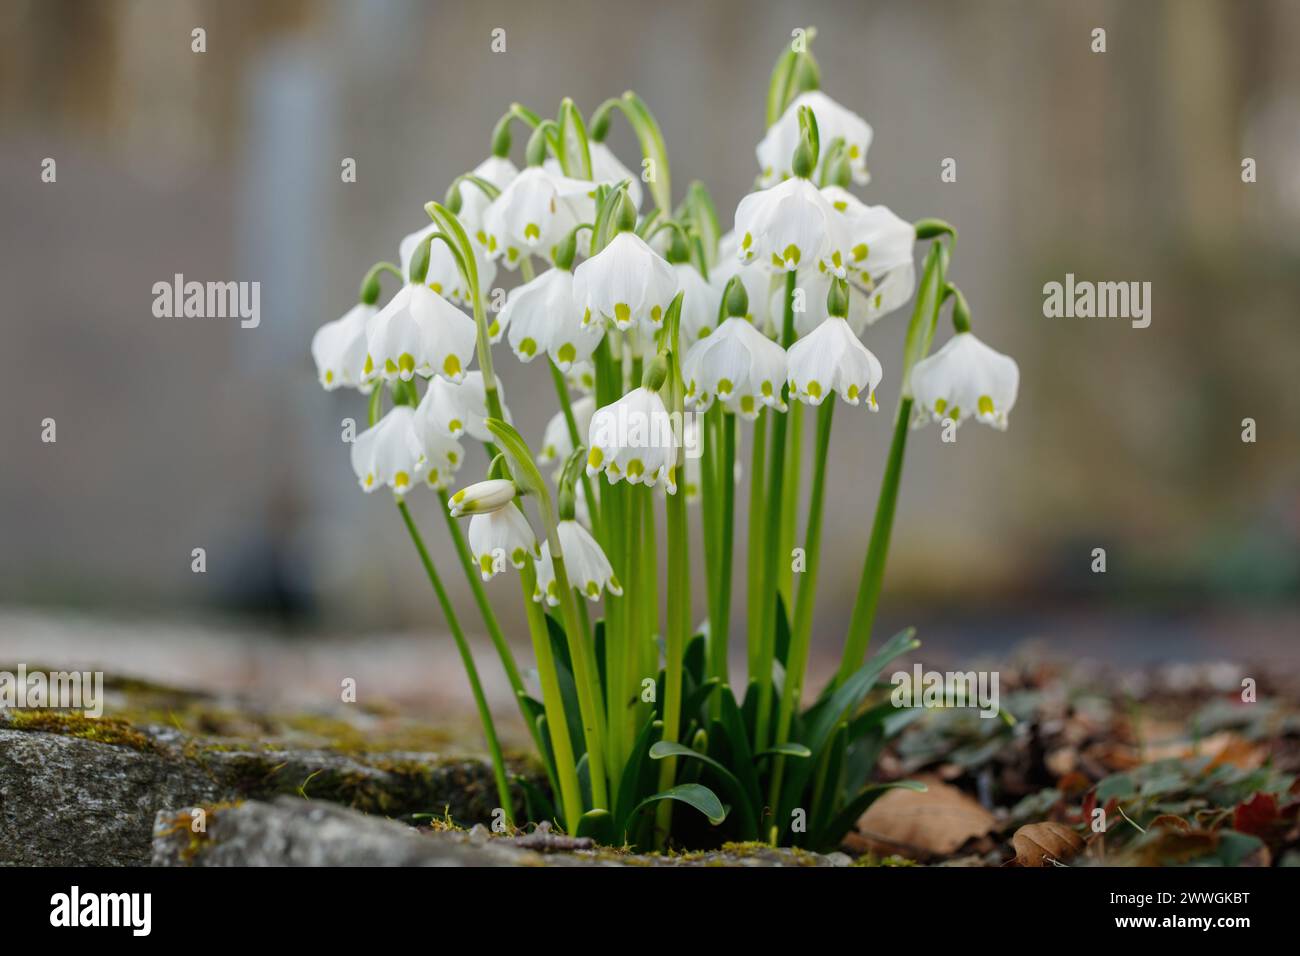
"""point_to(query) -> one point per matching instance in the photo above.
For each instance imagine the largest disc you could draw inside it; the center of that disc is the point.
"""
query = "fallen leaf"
(937, 822)
(1042, 844)
(1257, 816)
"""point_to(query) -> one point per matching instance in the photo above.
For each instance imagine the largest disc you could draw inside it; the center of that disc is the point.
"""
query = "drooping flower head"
(459, 408)
(390, 453)
(588, 568)
(496, 537)
(339, 349)
(831, 359)
(634, 438)
(626, 283)
(543, 317)
(833, 122)
(482, 497)
(443, 275)
(533, 213)
(736, 364)
(789, 226)
(965, 379)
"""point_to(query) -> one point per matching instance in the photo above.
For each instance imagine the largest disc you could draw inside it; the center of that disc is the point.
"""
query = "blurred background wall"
(225, 165)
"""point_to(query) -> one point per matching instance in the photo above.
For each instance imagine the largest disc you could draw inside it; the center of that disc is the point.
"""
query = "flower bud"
(625, 217)
(501, 137)
(805, 160)
(736, 298)
(656, 373)
(482, 497)
(837, 299)
(420, 262)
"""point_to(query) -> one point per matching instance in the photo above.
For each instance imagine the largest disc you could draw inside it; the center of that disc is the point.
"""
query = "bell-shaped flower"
(588, 570)
(443, 454)
(444, 275)
(533, 213)
(581, 377)
(339, 349)
(833, 122)
(738, 366)
(700, 302)
(759, 284)
(497, 170)
(634, 438)
(542, 317)
(627, 283)
(500, 536)
(880, 252)
(390, 453)
(606, 170)
(966, 379)
(459, 408)
(792, 225)
(482, 497)
(556, 441)
(419, 331)
(831, 359)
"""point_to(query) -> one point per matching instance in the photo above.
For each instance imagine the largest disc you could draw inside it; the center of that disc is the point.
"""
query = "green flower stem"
(566, 406)
(553, 702)
(771, 573)
(650, 582)
(485, 609)
(790, 507)
(801, 636)
(920, 332)
(585, 676)
(678, 630)
(757, 546)
(710, 510)
(720, 628)
(480, 701)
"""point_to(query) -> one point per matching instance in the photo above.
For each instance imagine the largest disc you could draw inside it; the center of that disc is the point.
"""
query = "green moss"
(104, 730)
(196, 840)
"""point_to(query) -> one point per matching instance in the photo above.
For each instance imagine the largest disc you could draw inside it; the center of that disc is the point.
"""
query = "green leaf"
(849, 695)
(748, 822)
(599, 825)
(639, 774)
(778, 86)
(785, 750)
(782, 632)
(652, 148)
(830, 835)
(693, 794)
(522, 466)
(703, 216)
(575, 154)
(732, 724)
(568, 686)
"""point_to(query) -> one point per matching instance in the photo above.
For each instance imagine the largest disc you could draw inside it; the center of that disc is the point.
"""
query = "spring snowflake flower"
(443, 454)
(627, 283)
(700, 303)
(482, 497)
(606, 170)
(830, 358)
(444, 275)
(497, 170)
(634, 439)
(542, 317)
(758, 282)
(390, 453)
(459, 408)
(556, 443)
(500, 536)
(966, 379)
(792, 225)
(533, 213)
(339, 349)
(737, 365)
(581, 377)
(588, 569)
(418, 331)
(833, 122)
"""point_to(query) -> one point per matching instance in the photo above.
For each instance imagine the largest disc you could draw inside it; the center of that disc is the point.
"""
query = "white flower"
(880, 259)
(966, 379)
(482, 497)
(830, 358)
(606, 170)
(443, 454)
(534, 213)
(497, 170)
(588, 569)
(500, 536)
(444, 275)
(542, 317)
(791, 225)
(556, 443)
(776, 151)
(339, 349)
(419, 331)
(737, 365)
(700, 304)
(634, 439)
(626, 282)
(758, 282)
(389, 453)
(458, 408)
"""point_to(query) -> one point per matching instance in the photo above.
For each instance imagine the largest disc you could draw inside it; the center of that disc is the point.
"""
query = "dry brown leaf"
(937, 822)
(1042, 844)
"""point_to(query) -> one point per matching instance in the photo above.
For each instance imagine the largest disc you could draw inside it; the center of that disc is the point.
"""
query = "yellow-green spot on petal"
(955, 413)
(853, 393)
(746, 242)
(567, 353)
(494, 329)
(406, 362)
(656, 315)
(485, 564)
(766, 389)
(528, 347)
(517, 556)
(595, 458)
(436, 287)
(860, 251)
(512, 253)
(622, 314)
(747, 404)
(481, 236)
(593, 589)
(776, 261)
(455, 425)
(985, 405)
(390, 366)
(791, 254)
(329, 376)
(855, 151)
(401, 480)
(552, 591)
(840, 205)
(451, 365)
(532, 231)
(452, 457)
(369, 367)
(458, 497)
(370, 480)
(724, 387)
(939, 405)
(635, 469)
(432, 478)
(814, 389)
